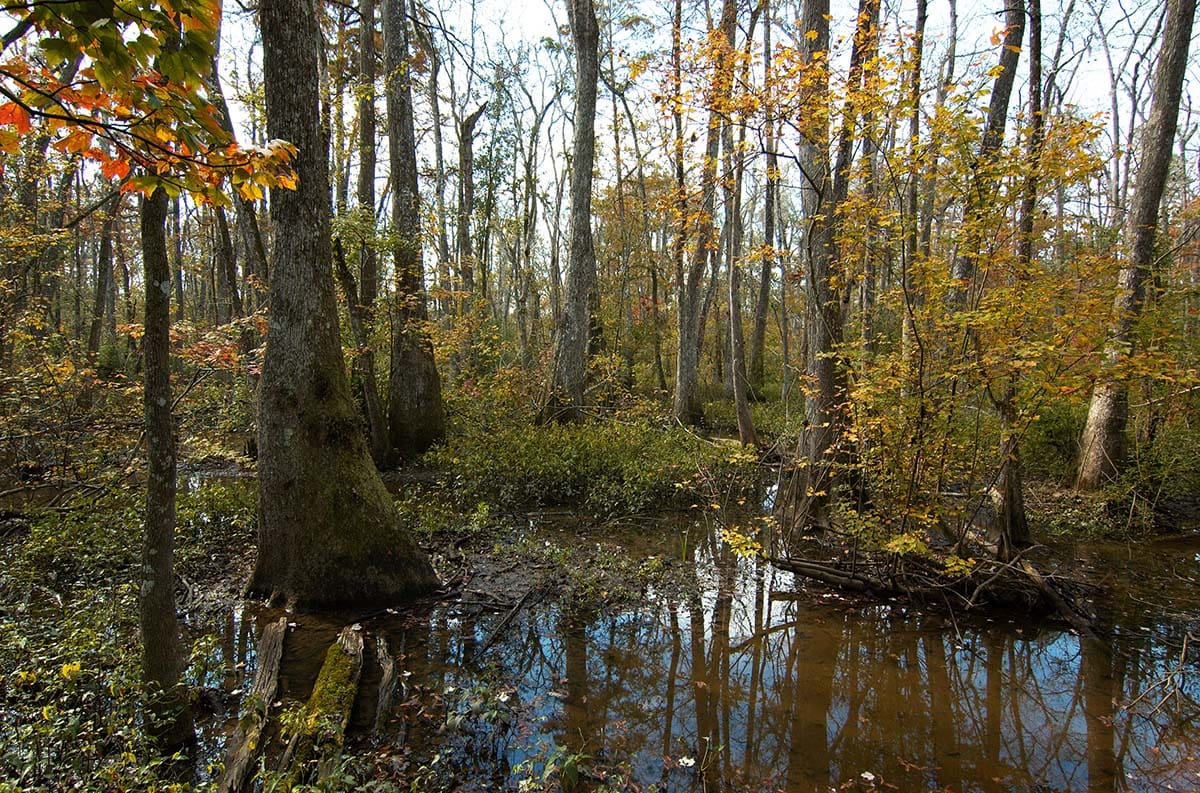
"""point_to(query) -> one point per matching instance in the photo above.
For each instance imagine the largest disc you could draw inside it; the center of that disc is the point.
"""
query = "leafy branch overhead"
(127, 87)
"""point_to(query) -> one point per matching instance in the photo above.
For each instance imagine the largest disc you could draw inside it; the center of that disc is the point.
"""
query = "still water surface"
(745, 682)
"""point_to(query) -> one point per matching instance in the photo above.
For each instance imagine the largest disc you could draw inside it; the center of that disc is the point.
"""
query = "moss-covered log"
(316, 747)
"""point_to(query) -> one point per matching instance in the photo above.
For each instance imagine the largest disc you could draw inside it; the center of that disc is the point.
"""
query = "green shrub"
(608, 468)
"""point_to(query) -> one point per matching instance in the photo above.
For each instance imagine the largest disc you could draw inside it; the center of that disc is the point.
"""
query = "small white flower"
(867, 777)
(503, 697)
(687, 762)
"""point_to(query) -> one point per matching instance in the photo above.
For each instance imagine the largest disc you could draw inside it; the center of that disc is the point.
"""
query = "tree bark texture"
(416, 417)
(361, 297)
(364, 361)
(368, 267)
(329, 533)
(807, 496)
(466, 201)
(162, 653)
(571, 343)
(1102, 447)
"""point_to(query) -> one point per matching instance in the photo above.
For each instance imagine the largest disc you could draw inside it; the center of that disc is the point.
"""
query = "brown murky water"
(747, 683)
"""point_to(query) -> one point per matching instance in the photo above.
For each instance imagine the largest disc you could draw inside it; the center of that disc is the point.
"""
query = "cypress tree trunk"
(368, 268)
(329, 534)
(1102, 447)
(162, 655)
(571, 342)
(416, 418)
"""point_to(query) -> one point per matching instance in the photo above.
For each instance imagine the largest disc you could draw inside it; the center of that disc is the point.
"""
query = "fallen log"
(996, 583)
(1080, 621)
(246, 742)
(314, 750)
(834, 576)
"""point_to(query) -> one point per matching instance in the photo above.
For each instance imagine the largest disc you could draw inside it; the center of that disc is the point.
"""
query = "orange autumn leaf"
(12, 114)
(115, 169)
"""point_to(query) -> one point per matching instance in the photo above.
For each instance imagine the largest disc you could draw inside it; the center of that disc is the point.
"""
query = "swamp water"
(746, 679)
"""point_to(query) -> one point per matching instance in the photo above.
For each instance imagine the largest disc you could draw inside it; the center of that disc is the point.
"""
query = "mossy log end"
(315, 749)
(246, 742)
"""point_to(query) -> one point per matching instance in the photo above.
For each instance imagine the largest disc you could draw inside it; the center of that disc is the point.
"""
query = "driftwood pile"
(1013, 583)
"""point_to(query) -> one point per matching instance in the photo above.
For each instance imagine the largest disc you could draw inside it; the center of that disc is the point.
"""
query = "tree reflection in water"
(734, 681)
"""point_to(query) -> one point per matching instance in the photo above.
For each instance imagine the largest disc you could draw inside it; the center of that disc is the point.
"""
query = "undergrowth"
(72, 706)
(606, 468)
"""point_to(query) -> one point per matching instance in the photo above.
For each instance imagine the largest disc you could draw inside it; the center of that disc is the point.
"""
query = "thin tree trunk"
(1012, 525)
(246, 221)
(416, 417)
(230, 306)
(104, 277)
(964, 293)
(162, 652)
(735, 168)
(362, 297)
(466, 201)
(439, 190)
(177, 261)
(823, 311)
(757, 368)
(911, 376)
(368, 263)
(364, 360)
(691, 307)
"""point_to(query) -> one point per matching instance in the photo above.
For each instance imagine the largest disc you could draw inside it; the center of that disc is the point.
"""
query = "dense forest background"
(915, 217)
